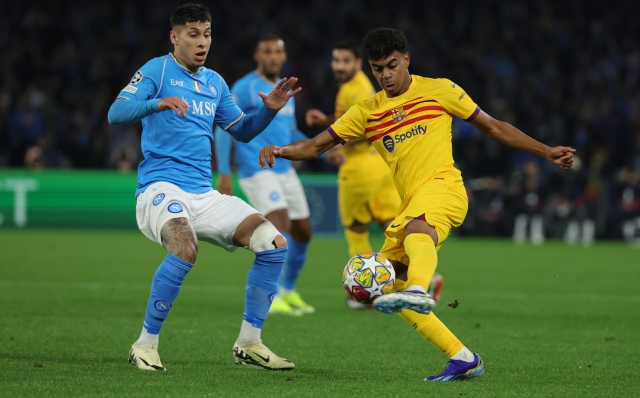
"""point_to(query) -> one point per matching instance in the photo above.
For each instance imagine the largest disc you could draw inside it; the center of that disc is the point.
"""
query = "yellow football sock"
(358, 242)
(423, 259)
(434, 331)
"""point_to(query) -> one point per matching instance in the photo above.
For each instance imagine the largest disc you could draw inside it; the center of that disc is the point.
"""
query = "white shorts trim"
(213, 216)
(268, 191)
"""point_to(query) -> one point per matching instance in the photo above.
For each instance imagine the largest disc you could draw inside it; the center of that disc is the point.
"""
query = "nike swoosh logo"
(395, 225)
(156, 367)
(263, 358)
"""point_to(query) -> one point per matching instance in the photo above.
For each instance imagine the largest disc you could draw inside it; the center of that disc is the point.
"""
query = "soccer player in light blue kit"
(277, 193)
(178, 100)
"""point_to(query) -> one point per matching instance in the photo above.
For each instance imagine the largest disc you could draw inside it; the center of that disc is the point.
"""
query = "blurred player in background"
(178, 100)
(409, 124)
(366, 191)
(276, 193)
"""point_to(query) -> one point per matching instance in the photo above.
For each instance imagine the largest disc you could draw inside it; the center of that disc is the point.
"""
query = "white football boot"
(258, 354)
(410, 300)
(145, 356)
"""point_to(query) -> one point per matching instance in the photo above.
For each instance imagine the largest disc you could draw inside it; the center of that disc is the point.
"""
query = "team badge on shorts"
(274, 196)
(158, 199)
(175, 207)
(398, 114)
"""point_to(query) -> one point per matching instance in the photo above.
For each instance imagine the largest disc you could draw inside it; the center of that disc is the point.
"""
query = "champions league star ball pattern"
(367, 276)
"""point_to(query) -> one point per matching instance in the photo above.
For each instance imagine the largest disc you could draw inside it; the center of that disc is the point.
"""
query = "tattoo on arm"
(179, 239)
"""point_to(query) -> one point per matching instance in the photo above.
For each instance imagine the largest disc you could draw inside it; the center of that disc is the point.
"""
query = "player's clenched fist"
(177, 105)
(268, 155)
(562, 156)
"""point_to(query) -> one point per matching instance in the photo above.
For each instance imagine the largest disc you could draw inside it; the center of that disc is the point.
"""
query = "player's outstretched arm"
(299, 150)
(316, 116)
(507, 134)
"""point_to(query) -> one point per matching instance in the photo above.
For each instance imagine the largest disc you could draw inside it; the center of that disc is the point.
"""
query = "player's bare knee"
(280, 241)
(417, 226)
(266, 237)
(180, 240)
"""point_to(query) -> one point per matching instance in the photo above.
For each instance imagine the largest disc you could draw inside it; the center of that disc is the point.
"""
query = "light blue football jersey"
(178, 150)
(280, 132)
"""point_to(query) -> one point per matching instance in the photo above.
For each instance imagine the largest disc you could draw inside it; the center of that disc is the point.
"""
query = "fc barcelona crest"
(398, 114)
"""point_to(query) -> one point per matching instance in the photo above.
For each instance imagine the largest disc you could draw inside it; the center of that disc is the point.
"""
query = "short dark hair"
(382, 42)
(189, 12)
(348, 45)
(270, 36)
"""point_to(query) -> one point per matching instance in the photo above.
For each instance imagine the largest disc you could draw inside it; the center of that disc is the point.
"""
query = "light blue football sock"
(262, 285)
(164, 290)
(296, 257)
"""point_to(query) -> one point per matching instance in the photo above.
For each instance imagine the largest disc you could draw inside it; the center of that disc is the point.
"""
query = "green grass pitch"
(548, 321)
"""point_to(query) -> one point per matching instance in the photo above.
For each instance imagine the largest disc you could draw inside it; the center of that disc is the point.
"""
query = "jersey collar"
(264, 79)
(182, 66)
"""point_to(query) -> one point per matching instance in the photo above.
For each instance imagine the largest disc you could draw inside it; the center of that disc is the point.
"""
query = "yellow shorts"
(366, 191)
(442, 202)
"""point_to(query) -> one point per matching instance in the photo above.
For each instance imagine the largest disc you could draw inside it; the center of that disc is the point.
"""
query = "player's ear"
(407, 59)
(359, 63)
(173, 36)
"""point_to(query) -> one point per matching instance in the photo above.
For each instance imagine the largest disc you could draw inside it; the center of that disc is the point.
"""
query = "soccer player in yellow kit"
(409, 124)
(366, 191)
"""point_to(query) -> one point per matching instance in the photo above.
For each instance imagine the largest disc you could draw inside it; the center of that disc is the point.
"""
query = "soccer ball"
(367, 276)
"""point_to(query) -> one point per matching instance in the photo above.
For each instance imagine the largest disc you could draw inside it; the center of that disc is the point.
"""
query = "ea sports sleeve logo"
(387, 141)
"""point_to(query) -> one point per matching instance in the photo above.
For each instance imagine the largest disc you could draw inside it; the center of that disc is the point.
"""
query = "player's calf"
(270, 248)
(179, 239)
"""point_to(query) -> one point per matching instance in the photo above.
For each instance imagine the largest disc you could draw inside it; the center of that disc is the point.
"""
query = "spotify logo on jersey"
(387, 141)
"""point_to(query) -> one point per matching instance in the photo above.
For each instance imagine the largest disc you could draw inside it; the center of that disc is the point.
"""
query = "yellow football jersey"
(358, 88)
(412, 131)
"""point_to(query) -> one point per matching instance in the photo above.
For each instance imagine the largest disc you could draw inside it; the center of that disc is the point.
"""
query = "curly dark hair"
(348, 45)
(189, 12)
(382, 42)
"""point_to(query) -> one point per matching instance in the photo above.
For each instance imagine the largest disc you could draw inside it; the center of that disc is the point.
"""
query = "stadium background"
(564, 73)
(550, 320)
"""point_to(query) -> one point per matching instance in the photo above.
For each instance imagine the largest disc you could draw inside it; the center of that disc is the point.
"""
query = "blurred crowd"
(564, 72)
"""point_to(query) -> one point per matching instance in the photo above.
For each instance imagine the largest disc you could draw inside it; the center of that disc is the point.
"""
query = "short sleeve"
(350, 126)
(456, 101)
(144, 83)
(228, 113)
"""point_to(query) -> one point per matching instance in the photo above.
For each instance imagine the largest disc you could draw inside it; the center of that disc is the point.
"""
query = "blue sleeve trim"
(125, 111)
(336, 136)
(473, 115)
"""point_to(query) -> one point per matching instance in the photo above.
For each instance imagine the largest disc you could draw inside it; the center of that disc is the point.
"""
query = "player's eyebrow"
(387, 64)
(197, 29)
